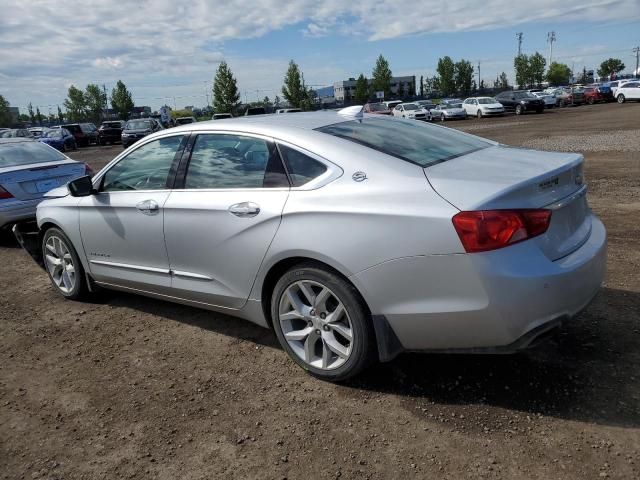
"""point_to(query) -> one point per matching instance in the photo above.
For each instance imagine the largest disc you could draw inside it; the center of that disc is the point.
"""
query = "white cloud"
(150, 43)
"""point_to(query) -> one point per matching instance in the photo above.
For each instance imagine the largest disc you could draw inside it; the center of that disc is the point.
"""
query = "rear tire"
(63, 265)
(518, 109)
(479, 114)
(590, 100)
(322, 323)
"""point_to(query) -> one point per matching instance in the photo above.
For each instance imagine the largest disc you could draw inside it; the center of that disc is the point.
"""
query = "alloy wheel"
(315, 324)
(60, 264)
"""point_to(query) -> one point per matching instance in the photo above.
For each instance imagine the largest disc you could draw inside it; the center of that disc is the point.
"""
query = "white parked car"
(628, 91)
(482, 106)
(410, 110)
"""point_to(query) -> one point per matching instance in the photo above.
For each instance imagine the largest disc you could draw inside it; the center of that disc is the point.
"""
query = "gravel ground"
(620, 141)
(130, 387)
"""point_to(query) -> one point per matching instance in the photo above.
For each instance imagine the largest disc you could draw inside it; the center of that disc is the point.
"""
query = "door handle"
(245, 209)
(148, 207)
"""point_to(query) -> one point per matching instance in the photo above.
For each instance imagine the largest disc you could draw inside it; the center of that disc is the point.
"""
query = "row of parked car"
(517, 101)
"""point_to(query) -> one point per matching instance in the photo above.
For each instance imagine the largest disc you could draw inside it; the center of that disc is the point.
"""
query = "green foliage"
(226, 96)
(38, 116)
(521, 66)
(381, 77)
(121, 100)
(446, 76)
(32, 116)
(361, 94)
(463, 76)
(96, 100)
(266, 101)
(504, 81)
(5, 113)
(75, 104)
(610, 67)
(60, 116)
(294, 90)
(558, 74)
(529, 70)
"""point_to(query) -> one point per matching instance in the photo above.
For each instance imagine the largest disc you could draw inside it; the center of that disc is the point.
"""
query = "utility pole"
(519, 37)
(637, 52)
(478, 75)
(551, 37)
(104, 89)
(206, 92)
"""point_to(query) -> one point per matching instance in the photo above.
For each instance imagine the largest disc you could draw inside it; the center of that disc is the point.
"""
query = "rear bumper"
(18, 211)
(487, 302)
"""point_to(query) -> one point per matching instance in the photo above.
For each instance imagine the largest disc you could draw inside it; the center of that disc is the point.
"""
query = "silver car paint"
(413, 270)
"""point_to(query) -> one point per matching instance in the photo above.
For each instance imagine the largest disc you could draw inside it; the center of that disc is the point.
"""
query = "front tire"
(621, 98)
(518, 109)
(442, 118)
(322, 322)
(63, 265)
(479, 114)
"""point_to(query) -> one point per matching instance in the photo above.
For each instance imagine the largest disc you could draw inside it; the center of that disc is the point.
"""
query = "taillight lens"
(4, 194)
(484, 230)
(88, 170)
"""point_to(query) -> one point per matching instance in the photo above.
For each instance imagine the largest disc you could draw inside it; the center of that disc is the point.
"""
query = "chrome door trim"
(130, 267)
(197, 276)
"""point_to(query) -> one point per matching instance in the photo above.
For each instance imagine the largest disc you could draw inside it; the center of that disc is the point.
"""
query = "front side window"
(234, 161)
(302, 168)
(146, 168)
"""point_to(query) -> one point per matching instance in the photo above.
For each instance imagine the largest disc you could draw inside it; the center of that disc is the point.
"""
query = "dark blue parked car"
(60, 138)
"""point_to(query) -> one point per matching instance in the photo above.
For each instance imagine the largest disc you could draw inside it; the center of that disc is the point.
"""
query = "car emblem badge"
(359, 177)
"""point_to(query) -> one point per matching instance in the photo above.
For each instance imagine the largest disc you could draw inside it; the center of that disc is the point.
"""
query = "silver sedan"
(355, 237)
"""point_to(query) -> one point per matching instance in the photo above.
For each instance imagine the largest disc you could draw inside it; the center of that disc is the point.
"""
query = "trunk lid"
(501, 177)
(30, 182)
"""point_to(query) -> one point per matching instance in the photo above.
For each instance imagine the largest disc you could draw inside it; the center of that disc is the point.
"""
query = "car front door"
(122, 224)
(219, 226)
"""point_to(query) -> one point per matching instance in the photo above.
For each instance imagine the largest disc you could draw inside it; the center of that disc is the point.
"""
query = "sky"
(167, 51)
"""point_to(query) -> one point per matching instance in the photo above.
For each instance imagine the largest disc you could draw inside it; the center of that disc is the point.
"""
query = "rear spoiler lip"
(28, 236)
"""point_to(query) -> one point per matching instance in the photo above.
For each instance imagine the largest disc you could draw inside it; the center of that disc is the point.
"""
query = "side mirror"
(81, 187)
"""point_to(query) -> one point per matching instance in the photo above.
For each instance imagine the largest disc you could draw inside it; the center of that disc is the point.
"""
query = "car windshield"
(24, 153)
(452, 105)
(524, 95)
(486, 101)
(378, 107)
(53, 134)
(410, 106)
(138, 125)
(414, 142)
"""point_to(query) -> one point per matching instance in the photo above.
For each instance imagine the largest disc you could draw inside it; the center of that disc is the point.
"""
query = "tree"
(610, 67)
(75, 104)
(381, 77)
(276, 101)
(421, 86)
(266, 101)
(96, 99)
(482, 86)
(558, 74)
(294, 90)
(361, 94)
(121, 100)
(32, 116)
(5, 113)
(226, 96)
(537, 64)
(521, 66)
(60, 116)
(38, 116)
(446, 76)
(463, 77)
(504, 81)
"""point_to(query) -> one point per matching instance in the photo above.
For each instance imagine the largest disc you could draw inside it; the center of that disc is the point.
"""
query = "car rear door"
(220, 223)
(122, 226)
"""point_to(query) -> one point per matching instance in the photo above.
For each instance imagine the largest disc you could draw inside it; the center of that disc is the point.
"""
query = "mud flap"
(389, 347)
(28, 236)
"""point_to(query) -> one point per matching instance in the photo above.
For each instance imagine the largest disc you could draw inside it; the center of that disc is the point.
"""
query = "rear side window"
(234, 161)
(414, 142)
(302, 168)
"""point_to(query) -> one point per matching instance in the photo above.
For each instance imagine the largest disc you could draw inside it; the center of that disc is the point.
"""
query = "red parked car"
(377, 108)
(594, 94)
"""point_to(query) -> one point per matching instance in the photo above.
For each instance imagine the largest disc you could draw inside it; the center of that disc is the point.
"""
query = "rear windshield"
(112, 124)
(378, 107)
(138, 125)
(415, 142)
(24, 153)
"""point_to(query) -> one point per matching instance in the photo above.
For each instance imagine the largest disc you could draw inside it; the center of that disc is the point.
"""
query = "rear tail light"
(4, 194)
(88, 170)
(485, 230)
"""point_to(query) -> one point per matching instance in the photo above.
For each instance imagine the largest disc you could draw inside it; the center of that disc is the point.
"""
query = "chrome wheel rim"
(60, 264)
(315, 325)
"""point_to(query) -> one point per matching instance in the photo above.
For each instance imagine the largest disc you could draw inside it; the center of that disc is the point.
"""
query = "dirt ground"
(137, 388)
